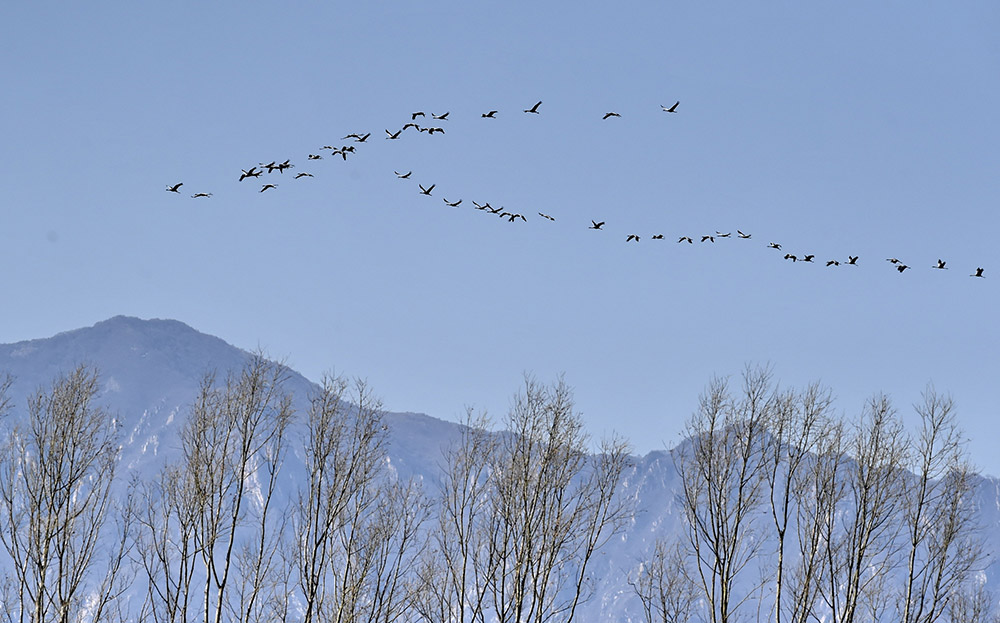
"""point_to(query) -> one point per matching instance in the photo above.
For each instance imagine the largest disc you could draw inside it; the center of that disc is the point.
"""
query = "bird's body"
(403, 176)
(534, 109)
(453, 204)
(253, 172)
(608, 115)
(426, 191)
(901, 267)
(596, 225)
(742, 235)
(708, 239)
(657, 237)
(632, 238)
(175, 188)
(978, 273)
(832, 263)
(808, 258)
(392, 136)
(940, 264)
(268, 186)
(443, 117)
(774, 245)
(546, 216)
(852, 260)
(490, 115)
(196, 195)
(685, 239)
(672, 108)
(789, 256)
(300, 175)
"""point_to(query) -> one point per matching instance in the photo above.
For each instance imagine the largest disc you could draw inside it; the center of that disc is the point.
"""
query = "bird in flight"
(533, 109)
(672, 108)
(403, 176)
(742, 235)
(490, 115)
(266, 186)
(608, 115)
(789, 256)
(196, 195)
(411, 125)
(808, 258)
(657, 237)
(940, 264)
(393, 136)
(892, 260)
(723, 235)
(833, 263)
(453, 204)
(253, 172)
(175, 187)
(978, 273)
(632, 238)
(413, 116)
(303, 175)
(315, 157)
(852, 260)
(708, 238)
(443, 117)
(596, 225)
(774, 245)
(510, 216)
(426, 191)
(546, 216)
(685, 238)
(902, 267)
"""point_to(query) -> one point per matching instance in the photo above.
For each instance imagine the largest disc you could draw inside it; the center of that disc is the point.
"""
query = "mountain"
(150, 372)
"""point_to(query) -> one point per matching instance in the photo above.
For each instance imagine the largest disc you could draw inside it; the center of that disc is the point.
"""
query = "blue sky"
(866, 129)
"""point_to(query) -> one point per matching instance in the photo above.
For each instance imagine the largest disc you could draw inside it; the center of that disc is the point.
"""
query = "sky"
(855, 129)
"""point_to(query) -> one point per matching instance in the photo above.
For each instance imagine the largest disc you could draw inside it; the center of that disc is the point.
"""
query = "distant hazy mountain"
(150, 371)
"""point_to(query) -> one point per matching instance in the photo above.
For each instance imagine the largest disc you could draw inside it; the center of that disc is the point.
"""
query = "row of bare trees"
(794, 514)
(271, 515)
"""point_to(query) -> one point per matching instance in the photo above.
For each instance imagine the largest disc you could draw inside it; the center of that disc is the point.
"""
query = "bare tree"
(862, 544)
(209, 518)
(942, 548)
(552, 507)
(664, 586)
(356, 527)
(455, 571)
(797, 421)
(57, 467)
(721, 467)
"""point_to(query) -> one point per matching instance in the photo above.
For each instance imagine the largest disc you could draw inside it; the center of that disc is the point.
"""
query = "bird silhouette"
(632, 238)
(940, 264)
(453, 204)
(657, 237)
(892, 260)
(832, 263)
(789, 256)
(267, 186)
(303, 174)
(852, 260)
(901, 267)
(742, 235)
(708, 239)
(413, 116)
(596, 225)
(196, 195)
(253, 172)
(403, 176)
(608, 115)
(426, 191)
(393, 136)
(443, 117)
(978, 273)
(808, 258)
(546, 216)
(774, 245)
(175, 188)
(315, 157)
(685, 238)
(411, 125)
(490, 115)
(534, 109)
(672, 108)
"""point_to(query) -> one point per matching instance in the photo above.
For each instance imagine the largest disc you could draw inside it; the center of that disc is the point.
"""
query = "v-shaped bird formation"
(344, 151)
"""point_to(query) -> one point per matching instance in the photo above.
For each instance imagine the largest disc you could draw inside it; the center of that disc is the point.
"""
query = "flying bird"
(892, 260)
(411, 125)
(789, 256)
(426, 191)
(413, 116)
(852, 260)
(287, 164)
(596, 225)
(393, 136)
(362, 139)
(832, 263)
(902, 267)
(196, 195)
(403, 176)
(534, 109)
(490, 115)
(315, 157)
(672, 108)
(303, 175)
(808, 258)
(658, 237)
(175, 187)
(253, 172)
(742, 235)
(685, 238)
(443, 117)
(608, 115)
(940, 264)
(978, 273)
(546, 216)
(706, 238)
(774, 245)
(266, 186)
(723, 235)
(453, 204)
(632, 238)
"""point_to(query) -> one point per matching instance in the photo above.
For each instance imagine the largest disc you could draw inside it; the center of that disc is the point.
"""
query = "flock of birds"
(343, 151)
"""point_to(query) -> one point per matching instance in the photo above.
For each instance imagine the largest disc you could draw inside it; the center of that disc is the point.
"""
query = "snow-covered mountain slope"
(150, 372)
